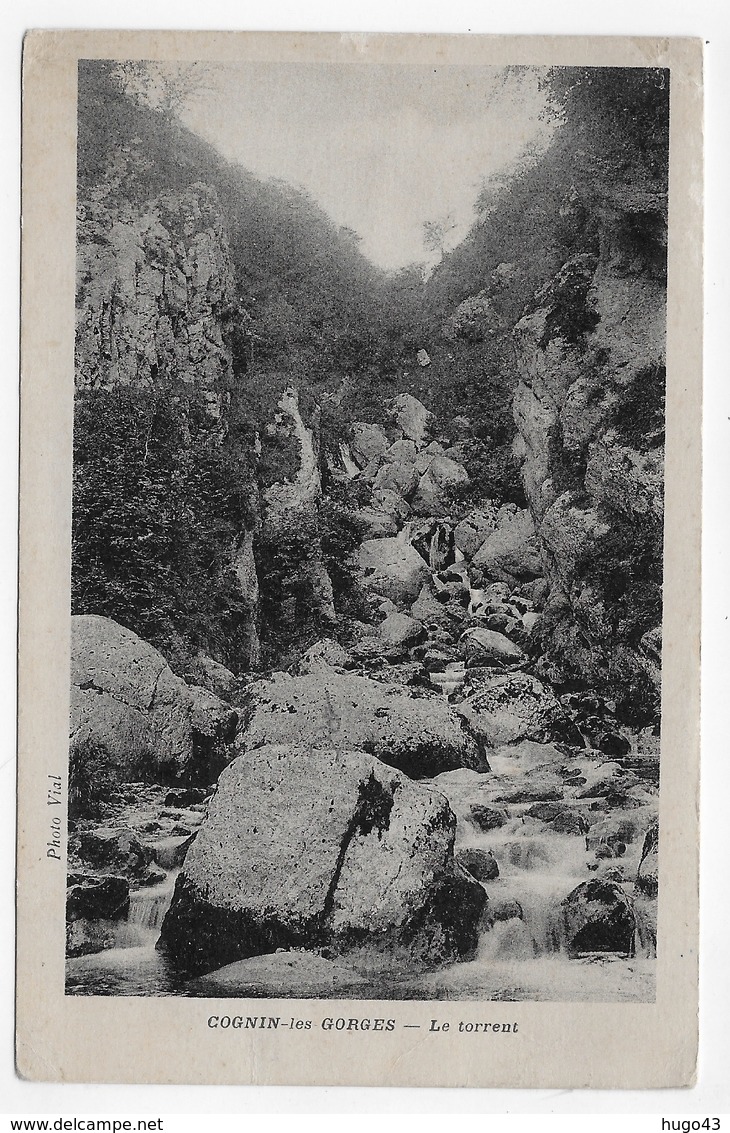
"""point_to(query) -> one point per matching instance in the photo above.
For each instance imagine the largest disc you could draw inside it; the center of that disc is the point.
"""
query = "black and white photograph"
(367, 531)
(359, 645)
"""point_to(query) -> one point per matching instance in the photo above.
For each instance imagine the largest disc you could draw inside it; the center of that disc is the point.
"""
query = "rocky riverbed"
(414, 809)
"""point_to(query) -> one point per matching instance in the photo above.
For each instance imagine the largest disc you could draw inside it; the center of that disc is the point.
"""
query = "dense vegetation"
(161, 496)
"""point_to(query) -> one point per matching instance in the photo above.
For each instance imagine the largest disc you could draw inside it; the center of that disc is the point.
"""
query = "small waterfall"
(349, 465)
(404, 535)
(434, 557)
(451, 679)
(147, 908)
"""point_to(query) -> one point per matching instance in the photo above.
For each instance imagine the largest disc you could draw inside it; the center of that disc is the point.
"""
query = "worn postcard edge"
(166, 1040)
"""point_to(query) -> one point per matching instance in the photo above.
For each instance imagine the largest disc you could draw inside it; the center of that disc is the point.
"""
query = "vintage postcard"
(360, 496)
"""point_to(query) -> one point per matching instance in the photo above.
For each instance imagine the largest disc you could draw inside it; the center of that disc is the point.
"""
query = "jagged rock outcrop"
(589, 409)
(133, 719)
(321, 848)
(155, 292)
(419, 735)
(156, 317)
(291, 511)
(411, 417)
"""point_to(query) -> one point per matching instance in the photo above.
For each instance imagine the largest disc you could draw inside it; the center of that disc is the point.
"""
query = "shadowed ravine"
(367, 573)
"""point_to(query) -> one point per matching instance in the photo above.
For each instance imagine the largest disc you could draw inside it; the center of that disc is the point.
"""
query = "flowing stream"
(522, 951)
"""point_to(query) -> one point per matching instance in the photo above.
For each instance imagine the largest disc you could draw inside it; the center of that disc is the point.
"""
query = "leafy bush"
(159, 500)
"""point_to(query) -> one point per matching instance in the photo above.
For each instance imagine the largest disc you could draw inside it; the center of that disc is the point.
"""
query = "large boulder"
(397, 474)
(368, 442)
(421, 736)
(399, 633)
(470, 532)
(598, 916)
(514, 707)
(300, 974)
(132, 718)
(411, 417)
(321, 848)
(512, 551)
(480, 646)
(392, 567)
(436, 488)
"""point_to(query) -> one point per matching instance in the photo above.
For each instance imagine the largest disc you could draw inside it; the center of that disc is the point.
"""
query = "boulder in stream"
(488, 817)
(300, 974)
(513, 707)
(512, 551)
(321, 848)
(392, 568)
(435, 492)
(481, 864)
(133, 719)
(598, 916)
(420, 735)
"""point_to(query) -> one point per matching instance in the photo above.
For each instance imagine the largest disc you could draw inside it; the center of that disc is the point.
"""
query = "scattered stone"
(487, 817)
(398, 475)
(185, 796)
(546, 812)
(398, 633)
(598, 916)
(325, 654)
(471, 532)
(481, 864)
(108, 847)
(487, 647)
(435, 492)
(570, 823)
(512, 551)
(105, 898)
(411, 417)
(367, 442)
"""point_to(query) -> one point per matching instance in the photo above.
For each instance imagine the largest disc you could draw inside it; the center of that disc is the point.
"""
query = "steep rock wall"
(155, 291)
(589, 409)
(157, 313)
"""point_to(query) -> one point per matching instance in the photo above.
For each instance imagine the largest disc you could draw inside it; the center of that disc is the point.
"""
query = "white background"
(702, 18)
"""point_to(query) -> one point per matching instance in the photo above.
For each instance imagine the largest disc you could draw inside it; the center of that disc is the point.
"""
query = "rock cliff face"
(589, 409)
(154, 295)
(157, 316)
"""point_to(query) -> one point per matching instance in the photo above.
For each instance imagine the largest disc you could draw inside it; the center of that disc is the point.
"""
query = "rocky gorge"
(365, 700)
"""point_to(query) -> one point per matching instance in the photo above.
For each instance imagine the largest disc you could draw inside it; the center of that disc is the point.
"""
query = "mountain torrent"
(367, 574)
